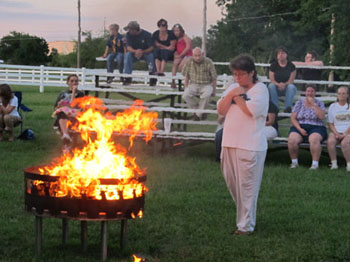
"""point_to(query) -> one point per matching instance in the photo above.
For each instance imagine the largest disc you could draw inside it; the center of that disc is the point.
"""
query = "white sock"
(334, 163)
(315, 163)
(295, 161)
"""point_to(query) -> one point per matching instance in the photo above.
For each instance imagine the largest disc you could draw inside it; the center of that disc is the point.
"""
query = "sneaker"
(294, 165)
(127, 81)
(110, 79)
(334, 167)
(288, 110)
(313, 167)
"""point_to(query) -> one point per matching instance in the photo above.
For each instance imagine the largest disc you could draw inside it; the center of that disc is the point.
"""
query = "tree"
(257, 27)
(24, 49)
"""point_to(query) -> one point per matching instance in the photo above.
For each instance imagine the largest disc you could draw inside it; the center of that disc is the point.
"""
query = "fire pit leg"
(83, 235)
(38, 234)
(104, 236)
(64, 231)
(123, 233)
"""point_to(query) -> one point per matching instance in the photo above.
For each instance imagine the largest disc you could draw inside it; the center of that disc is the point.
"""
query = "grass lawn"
(302, 215)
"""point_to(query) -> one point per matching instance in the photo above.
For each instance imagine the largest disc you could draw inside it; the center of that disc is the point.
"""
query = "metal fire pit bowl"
(41, 204)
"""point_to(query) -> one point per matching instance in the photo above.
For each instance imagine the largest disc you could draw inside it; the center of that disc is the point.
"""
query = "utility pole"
(79, 36)
(331, 53)
(204, 36)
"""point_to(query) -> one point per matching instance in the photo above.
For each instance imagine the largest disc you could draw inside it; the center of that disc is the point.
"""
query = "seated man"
(310, 73)
(116, 45)
(139, 46)
(200, 80)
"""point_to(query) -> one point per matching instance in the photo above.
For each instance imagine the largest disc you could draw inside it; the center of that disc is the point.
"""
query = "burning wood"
(80, 172)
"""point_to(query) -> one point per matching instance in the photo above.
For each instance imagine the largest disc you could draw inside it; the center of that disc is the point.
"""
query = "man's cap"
(133, 25)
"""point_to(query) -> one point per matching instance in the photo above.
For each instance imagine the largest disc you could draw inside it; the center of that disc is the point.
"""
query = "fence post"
(42, 79)
(83, 75)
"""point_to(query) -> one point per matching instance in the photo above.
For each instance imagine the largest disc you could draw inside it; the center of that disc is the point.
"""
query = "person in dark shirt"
(164, 41)
(282, 74)
(116, 46)
(271, 125)
(310, 73)
(139, 46)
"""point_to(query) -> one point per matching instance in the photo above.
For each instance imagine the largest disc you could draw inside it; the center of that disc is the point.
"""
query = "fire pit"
(98, 182)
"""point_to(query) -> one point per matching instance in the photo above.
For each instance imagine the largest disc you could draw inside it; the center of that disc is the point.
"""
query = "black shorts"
(163, 54)
(322, 130)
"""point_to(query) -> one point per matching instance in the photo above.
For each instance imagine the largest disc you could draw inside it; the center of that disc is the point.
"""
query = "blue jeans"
(130, 58)
(289, 93)
(115, 57)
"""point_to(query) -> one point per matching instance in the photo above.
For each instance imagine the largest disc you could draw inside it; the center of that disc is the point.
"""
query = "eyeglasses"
(163, 25)
(74, 81)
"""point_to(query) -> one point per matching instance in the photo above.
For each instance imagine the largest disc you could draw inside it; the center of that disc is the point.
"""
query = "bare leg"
(294, 140)
(157, 61)
(345, 147)
(162, 66)
(315, 146)
(63, 126)
(331, 144)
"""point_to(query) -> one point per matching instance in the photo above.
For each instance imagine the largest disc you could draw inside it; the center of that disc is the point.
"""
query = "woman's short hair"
(281, 48)
(70, 76)
(162, 21)
(312, 86)
(6, 92)
(182, 31)
(244, 63)
(114, 26)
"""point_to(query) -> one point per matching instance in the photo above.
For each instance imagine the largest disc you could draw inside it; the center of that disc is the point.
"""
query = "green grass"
(189, 214)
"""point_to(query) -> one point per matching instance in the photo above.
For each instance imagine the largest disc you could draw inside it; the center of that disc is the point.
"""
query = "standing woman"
(244, 105)
(9, 116)
(339, 124)
(164, 41)
(183, 50)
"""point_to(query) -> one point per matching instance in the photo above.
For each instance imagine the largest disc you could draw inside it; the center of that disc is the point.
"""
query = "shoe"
(153, 81)
(110, 79)
(242, 233)
(294, 165)
(288, 110)
(160, 74)
(334, 167)
(127, 81)
(313, 167)
(196, 118)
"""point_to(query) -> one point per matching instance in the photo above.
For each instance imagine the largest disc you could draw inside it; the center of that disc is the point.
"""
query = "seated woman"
(282, 74)
(63, 111)
(183, 50)
(9, 116)
(307, 126)
(164, 41)
(339, 125)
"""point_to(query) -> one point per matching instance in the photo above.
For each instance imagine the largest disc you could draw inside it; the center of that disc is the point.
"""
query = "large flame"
(80, 172)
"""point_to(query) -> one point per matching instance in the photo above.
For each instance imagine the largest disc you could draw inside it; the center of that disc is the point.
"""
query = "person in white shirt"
(244, 145)
(9, 116)
(339, 124)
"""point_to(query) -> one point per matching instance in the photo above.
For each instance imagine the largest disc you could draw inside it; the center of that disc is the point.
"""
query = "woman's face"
(163, 27)
(310, 92)
(176, 32)
(243, 78)
(73, 81)
(342, 94)
(281, 55)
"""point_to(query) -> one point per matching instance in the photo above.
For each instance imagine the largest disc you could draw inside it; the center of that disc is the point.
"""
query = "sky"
(57, 20)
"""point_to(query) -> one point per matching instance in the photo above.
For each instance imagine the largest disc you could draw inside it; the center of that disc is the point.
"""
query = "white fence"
(56, 76)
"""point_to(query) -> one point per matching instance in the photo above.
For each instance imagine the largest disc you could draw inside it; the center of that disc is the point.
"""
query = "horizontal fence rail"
(56, 76)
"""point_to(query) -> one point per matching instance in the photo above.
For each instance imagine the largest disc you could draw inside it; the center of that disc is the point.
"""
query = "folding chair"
(21, 109)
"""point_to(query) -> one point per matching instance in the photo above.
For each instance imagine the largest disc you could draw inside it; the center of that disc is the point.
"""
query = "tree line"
(256, 27)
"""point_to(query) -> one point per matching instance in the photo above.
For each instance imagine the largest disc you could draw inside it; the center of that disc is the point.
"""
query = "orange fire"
(137, 259)
(80, 172)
